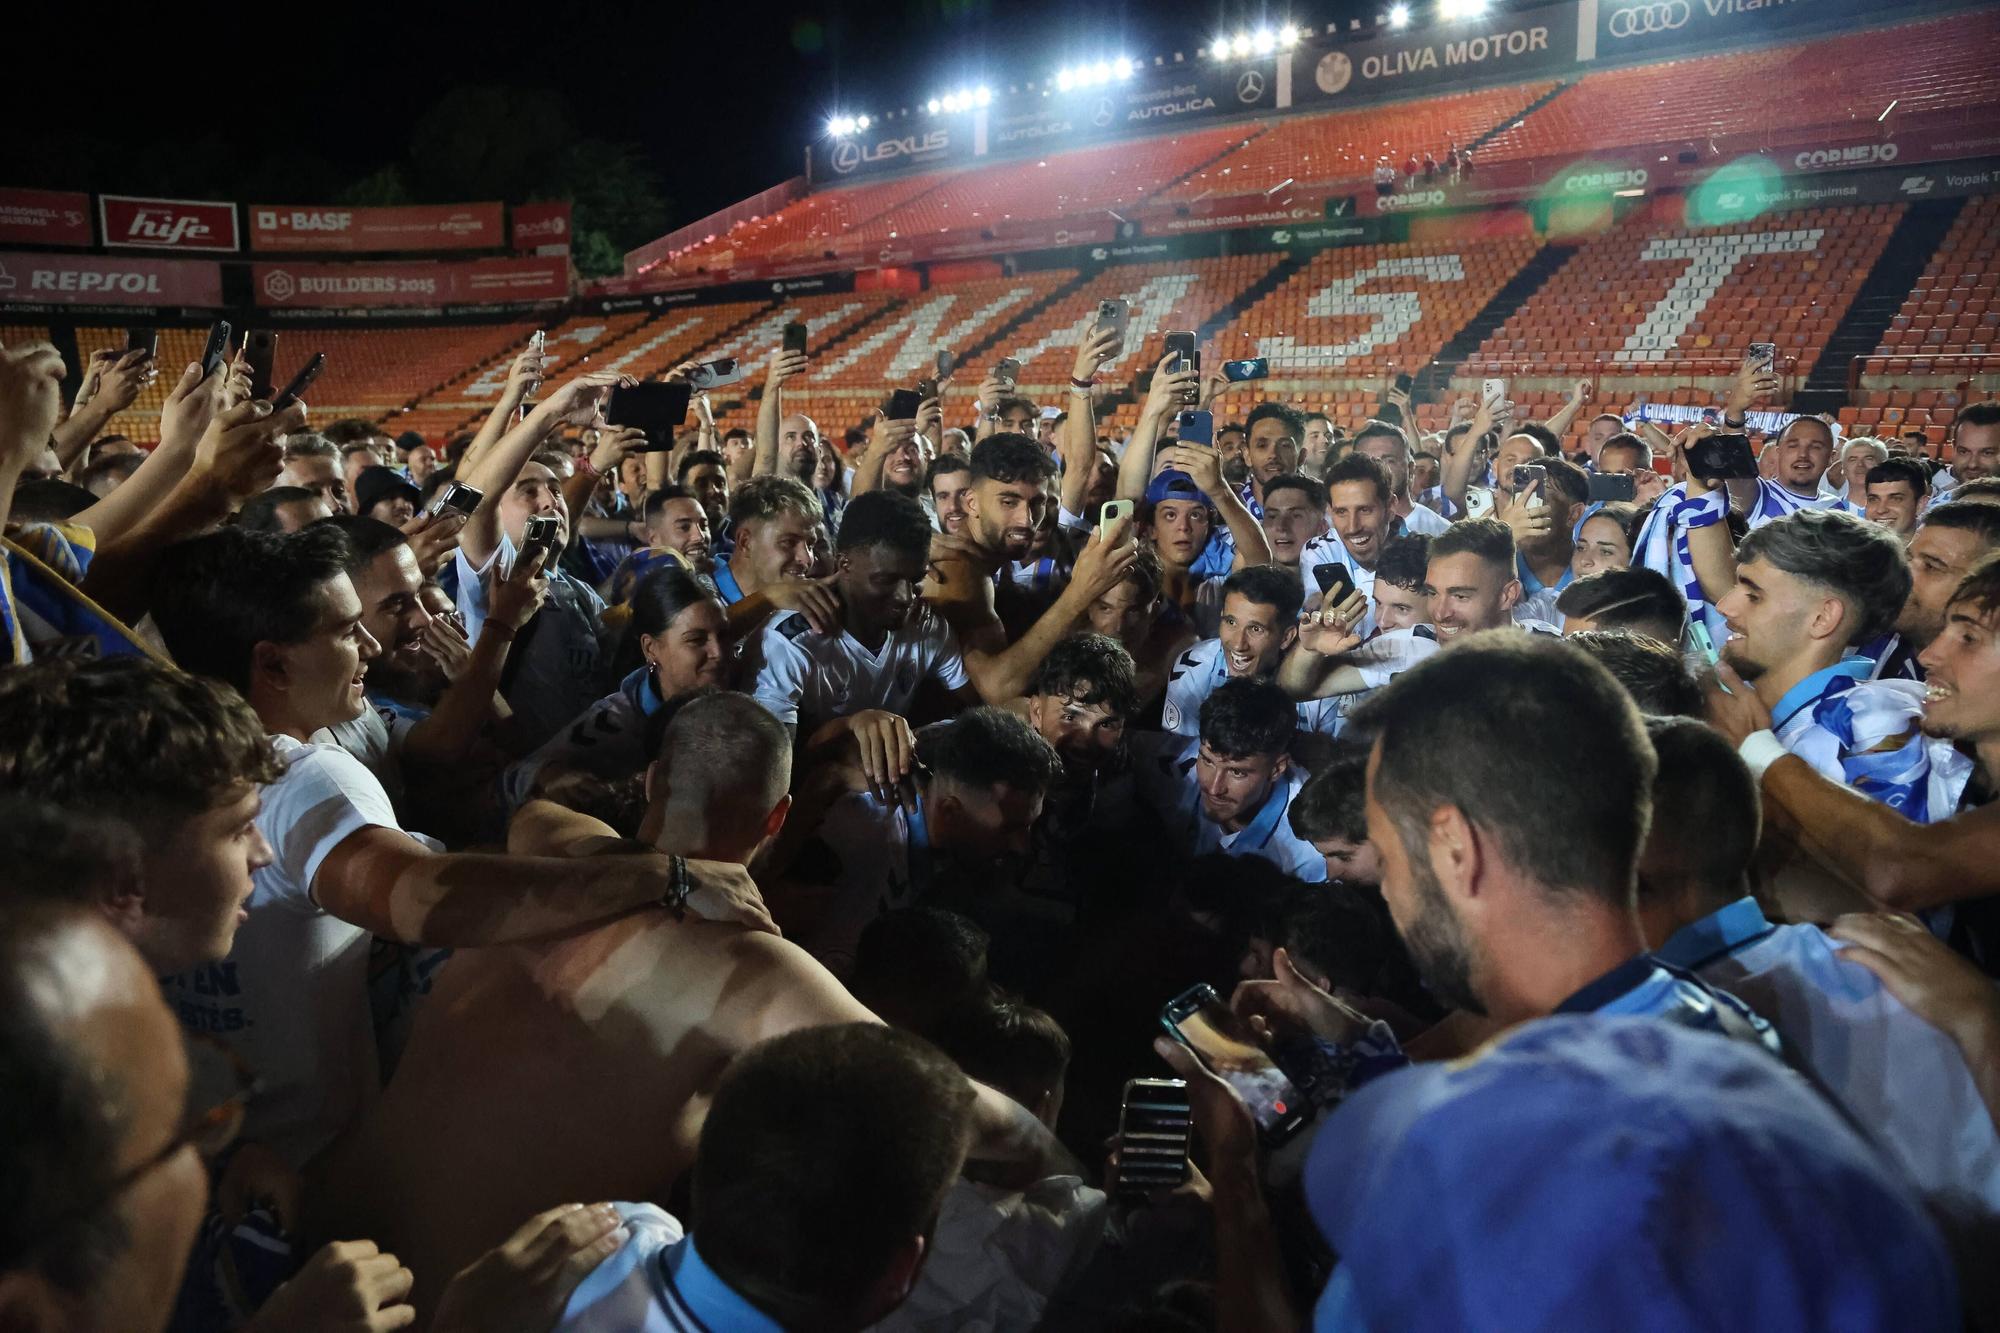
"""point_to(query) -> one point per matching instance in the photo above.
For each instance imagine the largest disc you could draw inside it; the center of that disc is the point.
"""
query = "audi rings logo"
(846, 156)
(1638, 20)
(279, 286)
(1105, 111)
(1250, 85)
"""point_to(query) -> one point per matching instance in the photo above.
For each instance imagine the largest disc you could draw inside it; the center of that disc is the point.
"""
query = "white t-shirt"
(1424, 521)
(800, 671)
(376, 739)
(292, 996)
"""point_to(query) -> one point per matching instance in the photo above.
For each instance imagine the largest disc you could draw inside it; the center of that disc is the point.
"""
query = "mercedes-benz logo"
(279, 286)
(1250, 85)
(1638, 20)
(846, 156)
(1104, 113)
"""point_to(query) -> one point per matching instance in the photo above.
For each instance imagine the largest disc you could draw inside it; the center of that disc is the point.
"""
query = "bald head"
(725, 766)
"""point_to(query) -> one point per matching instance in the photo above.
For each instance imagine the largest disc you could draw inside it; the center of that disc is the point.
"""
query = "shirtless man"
(581, 1068)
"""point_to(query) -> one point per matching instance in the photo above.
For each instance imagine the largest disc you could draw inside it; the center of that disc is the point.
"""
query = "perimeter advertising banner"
(1626, 30)
(1499, 48)
(44, 217)
(475, 282)
(48, 279)
(298, 229)
(168, 224)
(542, 229)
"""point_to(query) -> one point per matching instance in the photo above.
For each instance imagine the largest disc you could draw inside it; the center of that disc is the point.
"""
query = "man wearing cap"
(384, 493)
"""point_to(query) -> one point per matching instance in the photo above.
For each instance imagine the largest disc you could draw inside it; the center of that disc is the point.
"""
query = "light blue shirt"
(1164, 772)
(1901, 1080)
(658, 1282)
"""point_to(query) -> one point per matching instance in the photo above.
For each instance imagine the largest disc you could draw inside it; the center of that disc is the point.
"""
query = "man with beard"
(1360, 500)
(886, 642)
(1975, 443)
(1951, 540)
(390, 731)
(1804, 450)
(674, 526)
(1229, 787)
(1389, 445)
(1005, 507)
(704, 474)
(893, 459)
(1542, 515)
(1946, 869)
(1318, 432)
(1808, 586)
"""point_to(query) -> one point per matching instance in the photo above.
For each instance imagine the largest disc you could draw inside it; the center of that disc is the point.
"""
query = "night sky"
(721, 98)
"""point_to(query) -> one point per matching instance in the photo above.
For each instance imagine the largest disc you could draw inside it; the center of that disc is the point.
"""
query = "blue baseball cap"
(1617, 1173)
(1174, 484)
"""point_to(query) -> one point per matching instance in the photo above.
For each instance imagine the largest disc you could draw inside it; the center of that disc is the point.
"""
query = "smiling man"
(1474, 581)
(1257, 624)
(888, 642)
(1896, 490)
(1294, 514)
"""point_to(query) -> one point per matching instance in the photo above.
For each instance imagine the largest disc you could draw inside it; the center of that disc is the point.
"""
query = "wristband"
(505, 631)
(1760, 750)
(586, 467)
(1085, 385)
(679, 886)
(1739, 424)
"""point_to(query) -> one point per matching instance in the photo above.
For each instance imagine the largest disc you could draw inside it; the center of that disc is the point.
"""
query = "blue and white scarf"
(1869, 735)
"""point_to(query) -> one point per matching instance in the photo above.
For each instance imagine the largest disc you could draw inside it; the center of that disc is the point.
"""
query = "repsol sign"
(1854, 155)
(848, 155)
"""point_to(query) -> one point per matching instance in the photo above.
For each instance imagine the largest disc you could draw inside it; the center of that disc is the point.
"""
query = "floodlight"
(1241, 45)
(1399, 16)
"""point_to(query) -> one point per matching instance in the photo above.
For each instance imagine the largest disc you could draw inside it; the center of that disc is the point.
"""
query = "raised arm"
(1163, 399)
(1253, 546)
(1076, 442)
(523, 378)
(1754, 383)
(31, 376)
(1462, 454)
(1711, 548)
(1003, 675)
(575, 403)
(119, 379)
(1313, 668)
(1565, 416)
(884, 438)
(448, 734)
(784, 366)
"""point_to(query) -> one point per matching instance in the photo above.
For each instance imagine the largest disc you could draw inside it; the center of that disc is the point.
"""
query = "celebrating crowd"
(976, 872)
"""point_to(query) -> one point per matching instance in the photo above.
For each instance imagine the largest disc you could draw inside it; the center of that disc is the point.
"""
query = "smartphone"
(143, 340)
(1112, 511)
(902, 405)
(714, 374)
(1336, 582)
(1197, 428)
(657, 408)
(1199, 1020)
(1009, 370)
(795, 337)
(1256, 368)
(1764, 354)
(1702, 639)
(1115, 313)
(216, 351)
(1532, 474)
(1403, 382)
(1180, 345)
(1154, 1125)
(455, 495)
(927, 387)
(1722, 458)
(300, 383)
(1612, 486)
(260, 349)
(1493, 392)
(542, 534)
(945, 362)
(538, 342)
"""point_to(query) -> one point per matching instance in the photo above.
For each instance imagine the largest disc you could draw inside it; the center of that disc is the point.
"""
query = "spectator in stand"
(1423, 478)
(1451, 161)
(312, 462)
(355, 458)
(1605, 427)
(1603, 538)
(1975, 444)
(1430, 168)
(704, 474)
(1847, 478)
(1318, 438)
(105, 475)
(1410, 172)
(1897, 491)
(1385, 176)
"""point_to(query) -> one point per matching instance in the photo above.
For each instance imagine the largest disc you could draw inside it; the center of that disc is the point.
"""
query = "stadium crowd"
(766, 878)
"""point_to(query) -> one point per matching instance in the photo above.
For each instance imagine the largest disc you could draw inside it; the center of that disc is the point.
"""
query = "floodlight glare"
(1127, 68)
(934, 106)
(862, 123)
(1065, 79)
(984, 96)
(1399, 16)
(1288, 36)
(1219, 48)
(1263, 42)
(1241, 44)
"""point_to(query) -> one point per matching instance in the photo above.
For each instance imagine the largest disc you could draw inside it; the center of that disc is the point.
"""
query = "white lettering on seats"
(1710, 261)
(922, 332)
(1152, 302)
(1395, 313)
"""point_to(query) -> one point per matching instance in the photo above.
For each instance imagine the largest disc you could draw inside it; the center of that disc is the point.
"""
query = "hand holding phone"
(1112, 512)
(1154, 1127)
(1225, 1045)
(260, 350)
(300, 382)
(1180, 345)
(1236, 372)
(795, 337)
(1336, 582)
(216, 350)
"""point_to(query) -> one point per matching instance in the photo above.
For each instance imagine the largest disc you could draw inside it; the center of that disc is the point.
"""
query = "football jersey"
(1197, 672)
(798, 670)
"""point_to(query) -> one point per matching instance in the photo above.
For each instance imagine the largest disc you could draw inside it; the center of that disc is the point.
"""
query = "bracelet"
(1741, 422)
(1085, 385)
(679, 886)
(501, 628)
(586, 467)
(1080, 390)
(1760, 750)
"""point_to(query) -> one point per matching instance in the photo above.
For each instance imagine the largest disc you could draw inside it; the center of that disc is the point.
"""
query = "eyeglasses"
(209, 1128)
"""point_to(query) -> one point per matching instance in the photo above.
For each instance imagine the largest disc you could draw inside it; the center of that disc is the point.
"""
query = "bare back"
(572, 1071)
